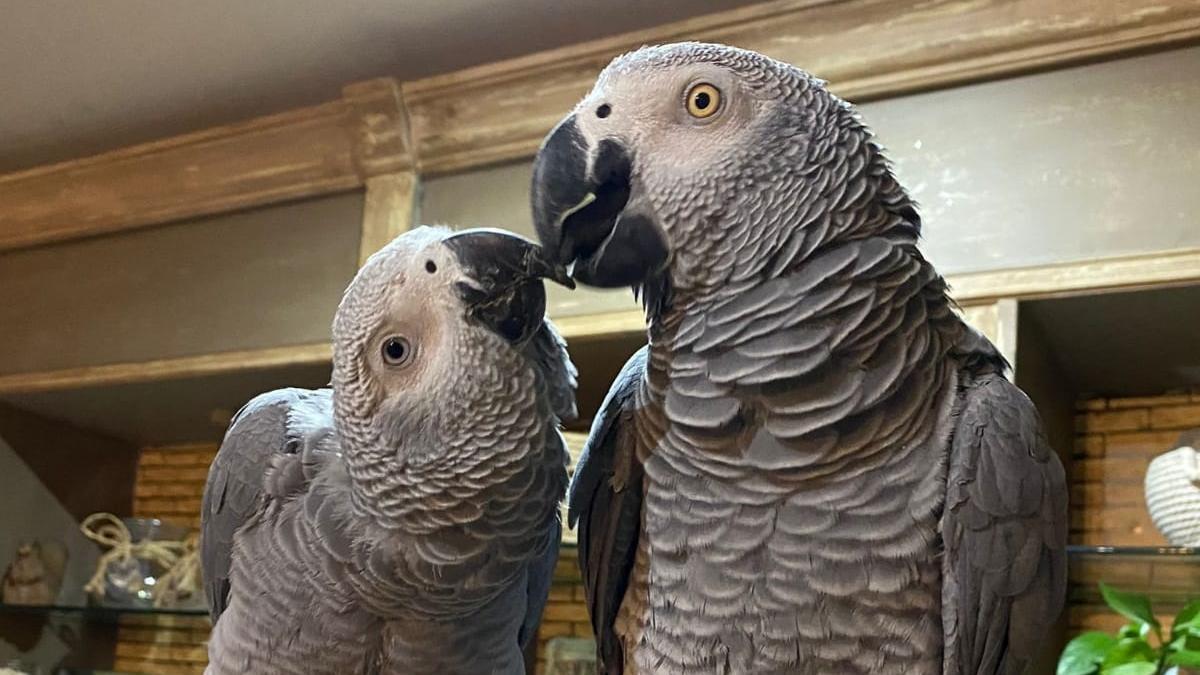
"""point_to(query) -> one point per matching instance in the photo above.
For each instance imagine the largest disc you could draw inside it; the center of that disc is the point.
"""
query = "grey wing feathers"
(605, 500)
(541, 575)
(253, 462)
(1004, 528)
(549, 351)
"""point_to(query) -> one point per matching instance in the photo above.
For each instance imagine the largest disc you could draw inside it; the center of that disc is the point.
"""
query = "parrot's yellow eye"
(703, 100)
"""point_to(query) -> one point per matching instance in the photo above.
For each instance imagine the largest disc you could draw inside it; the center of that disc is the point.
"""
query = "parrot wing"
(274, 445)
(1005, 530)
(540, 577)
(605, 500)
(548, 351)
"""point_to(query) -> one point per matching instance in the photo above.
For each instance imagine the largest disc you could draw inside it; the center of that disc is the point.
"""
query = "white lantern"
(1173, 493)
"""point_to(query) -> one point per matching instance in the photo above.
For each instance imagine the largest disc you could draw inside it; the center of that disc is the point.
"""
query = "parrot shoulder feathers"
(1004, 529)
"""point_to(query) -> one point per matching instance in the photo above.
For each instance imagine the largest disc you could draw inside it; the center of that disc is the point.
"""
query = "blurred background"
(186, 188)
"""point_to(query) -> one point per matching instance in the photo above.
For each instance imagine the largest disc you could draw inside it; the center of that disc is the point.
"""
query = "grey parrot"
(406, 520)
(814, 466)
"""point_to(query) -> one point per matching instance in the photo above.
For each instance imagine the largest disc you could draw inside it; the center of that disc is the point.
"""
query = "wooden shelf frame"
(382, 136)
(166, 369)
(986, 297)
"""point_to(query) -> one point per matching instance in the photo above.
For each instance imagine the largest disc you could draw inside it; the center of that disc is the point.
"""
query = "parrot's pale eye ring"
(703, 100)
(396, 351)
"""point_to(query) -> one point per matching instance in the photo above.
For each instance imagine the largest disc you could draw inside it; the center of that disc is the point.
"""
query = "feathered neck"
(841, 190)
(463, 440)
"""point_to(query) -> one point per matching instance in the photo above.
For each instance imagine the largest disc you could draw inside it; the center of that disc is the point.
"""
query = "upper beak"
(579, 199)
(507, 270)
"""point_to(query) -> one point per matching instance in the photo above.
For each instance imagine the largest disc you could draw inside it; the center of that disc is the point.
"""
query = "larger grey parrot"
(405, 521)
(814, 466)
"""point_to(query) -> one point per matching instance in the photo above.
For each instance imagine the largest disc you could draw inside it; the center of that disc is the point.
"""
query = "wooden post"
(389, 210)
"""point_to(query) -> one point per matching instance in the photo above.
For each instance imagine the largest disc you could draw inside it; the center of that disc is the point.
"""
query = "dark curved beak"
(580, 197)
(505, 291)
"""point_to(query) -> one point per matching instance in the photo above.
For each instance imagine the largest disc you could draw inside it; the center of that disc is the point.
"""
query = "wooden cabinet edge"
(165, 369)
(1093, 275)
(606, 324)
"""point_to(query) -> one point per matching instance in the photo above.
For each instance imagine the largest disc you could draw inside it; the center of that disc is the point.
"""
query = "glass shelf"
(1168, 575)
(1183, 553)
(100, 613)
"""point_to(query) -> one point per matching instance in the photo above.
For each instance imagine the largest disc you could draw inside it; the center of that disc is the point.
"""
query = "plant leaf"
(1130, 605)
(1138, 668)
(1083, 654)
(1134, 630)
(1128, 650)
(1188, 642)
(1188, 617)
(1185, 657)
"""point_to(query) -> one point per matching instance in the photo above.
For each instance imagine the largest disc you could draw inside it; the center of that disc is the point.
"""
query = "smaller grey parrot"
(406, 520)
(815, 466)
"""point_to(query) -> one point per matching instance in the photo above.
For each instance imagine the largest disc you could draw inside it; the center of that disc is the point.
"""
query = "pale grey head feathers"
(708, 166)
(415, 314)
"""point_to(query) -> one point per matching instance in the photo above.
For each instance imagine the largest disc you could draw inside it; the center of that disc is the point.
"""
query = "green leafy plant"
(1142, 646)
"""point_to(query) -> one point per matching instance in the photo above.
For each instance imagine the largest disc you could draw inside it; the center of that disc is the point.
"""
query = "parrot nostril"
(603, 110)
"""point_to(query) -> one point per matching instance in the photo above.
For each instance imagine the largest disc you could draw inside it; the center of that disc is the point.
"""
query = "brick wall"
(566, 612)
(170, 483)
(1115, 441)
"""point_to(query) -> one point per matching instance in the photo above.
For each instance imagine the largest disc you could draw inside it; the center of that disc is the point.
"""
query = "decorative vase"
(1173, 492)
(140, 552)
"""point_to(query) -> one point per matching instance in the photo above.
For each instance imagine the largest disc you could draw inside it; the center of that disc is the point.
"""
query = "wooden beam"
(866, 49)
(501, 111)
(379, 127)
(319, 150)
(1149, 270)
(165, 369)
(608, 324)
(389, 210)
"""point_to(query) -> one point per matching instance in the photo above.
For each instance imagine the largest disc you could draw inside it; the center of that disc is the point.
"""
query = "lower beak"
(505, 291)
(580, 201)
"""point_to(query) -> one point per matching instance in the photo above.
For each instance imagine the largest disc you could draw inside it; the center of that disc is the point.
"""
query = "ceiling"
(79, 78)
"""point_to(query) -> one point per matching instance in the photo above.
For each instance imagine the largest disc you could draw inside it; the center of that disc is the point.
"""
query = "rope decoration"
(183, 578)
(180, 558)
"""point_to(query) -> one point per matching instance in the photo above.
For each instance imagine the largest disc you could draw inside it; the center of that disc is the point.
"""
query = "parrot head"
(686, 166)
(428, 319)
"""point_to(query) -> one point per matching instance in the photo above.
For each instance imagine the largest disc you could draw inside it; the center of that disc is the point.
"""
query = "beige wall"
(261, 278)
(1085, 162)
